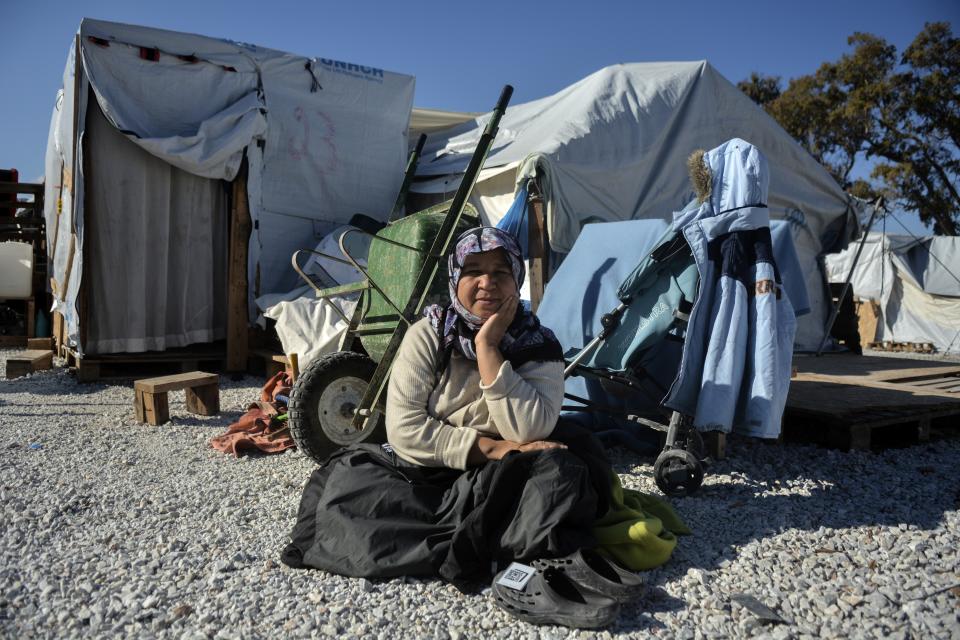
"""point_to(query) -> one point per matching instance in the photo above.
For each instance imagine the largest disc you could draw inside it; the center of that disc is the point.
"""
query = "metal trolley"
(338, 399)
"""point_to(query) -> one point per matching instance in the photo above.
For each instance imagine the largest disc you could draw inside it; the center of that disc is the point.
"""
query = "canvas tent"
(147, 131)
(614, 146)
(914, 281)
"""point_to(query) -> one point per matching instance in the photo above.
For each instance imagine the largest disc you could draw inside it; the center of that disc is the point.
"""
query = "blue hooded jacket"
(735, 369)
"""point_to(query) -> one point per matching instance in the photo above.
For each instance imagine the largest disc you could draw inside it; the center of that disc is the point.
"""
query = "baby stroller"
(637, 352)
(701, 328)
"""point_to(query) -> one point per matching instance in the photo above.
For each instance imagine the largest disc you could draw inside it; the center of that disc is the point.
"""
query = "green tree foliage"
(761, 89)
(903, 111)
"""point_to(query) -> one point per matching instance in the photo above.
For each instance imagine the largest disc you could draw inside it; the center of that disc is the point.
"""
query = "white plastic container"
(16, 269)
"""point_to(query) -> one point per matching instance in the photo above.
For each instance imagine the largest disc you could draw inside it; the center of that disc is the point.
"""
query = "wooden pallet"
(908, 347)
(858, 402)
(91, 368)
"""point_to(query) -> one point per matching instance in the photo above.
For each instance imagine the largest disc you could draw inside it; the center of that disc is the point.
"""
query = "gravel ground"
(118, 530)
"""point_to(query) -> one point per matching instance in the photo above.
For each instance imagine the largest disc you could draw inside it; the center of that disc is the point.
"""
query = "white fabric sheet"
(156, 249)
(310, 327)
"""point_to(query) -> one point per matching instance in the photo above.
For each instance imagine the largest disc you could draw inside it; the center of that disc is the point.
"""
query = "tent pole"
(877, 206)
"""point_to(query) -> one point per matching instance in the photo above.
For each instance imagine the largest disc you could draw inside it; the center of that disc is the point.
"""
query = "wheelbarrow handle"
(504, 100)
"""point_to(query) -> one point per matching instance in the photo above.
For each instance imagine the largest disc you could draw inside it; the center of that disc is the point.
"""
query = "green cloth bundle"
(638, 531)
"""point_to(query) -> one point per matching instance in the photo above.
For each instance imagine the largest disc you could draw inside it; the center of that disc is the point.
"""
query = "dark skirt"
(367, 513)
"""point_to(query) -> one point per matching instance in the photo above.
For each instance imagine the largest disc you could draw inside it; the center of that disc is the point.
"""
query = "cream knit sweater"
(435, 423)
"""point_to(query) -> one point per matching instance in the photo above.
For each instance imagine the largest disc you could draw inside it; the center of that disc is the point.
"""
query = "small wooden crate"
(202, 393)
(28, 361)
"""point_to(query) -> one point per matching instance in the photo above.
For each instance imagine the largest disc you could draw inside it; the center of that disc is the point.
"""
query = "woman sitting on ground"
(477, 472)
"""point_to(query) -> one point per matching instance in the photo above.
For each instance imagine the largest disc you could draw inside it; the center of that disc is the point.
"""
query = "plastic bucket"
(16, 269)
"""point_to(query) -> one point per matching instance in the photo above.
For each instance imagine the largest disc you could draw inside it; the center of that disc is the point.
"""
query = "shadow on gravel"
(64, 403)
(43, 387)
(632, 618)
(220, 421)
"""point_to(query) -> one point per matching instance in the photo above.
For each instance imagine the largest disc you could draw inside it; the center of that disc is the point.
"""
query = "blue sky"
(460, 53)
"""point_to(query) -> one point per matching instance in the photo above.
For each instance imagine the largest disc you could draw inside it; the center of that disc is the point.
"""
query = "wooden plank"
(30, 355)
(878, 368)
(237, 283)
(203, 400)
(14, 342)
(43, 344)
(539, 251)
(930, 382)
(202, 352)
(138, 408)
(87, 370)
(877, 387)
(156, 408)
(841, 400)
(58, 336)
(176, 382)
(21, 187)
(30, 361)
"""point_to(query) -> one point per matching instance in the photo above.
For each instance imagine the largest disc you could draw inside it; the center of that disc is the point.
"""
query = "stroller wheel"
(677, 472)
(323, 402)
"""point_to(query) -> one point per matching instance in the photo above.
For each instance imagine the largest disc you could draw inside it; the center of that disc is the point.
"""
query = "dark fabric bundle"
(367, 513)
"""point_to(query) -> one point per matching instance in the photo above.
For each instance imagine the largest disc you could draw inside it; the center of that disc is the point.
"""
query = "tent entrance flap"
(155, 255)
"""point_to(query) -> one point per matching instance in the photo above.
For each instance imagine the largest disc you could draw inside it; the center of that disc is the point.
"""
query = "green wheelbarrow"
(339, 399)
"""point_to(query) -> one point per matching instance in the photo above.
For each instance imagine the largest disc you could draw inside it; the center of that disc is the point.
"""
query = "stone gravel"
(111, 529)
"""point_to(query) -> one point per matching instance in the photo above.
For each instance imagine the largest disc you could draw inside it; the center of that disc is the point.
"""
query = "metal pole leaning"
(438, 251)
(412, 162)
(877, 206)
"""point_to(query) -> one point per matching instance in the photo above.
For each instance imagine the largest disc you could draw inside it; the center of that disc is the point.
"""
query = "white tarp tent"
(915, 282)
(148, 124)
(614, 146)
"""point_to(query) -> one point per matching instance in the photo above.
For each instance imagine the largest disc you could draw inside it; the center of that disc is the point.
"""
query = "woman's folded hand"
(487, 448)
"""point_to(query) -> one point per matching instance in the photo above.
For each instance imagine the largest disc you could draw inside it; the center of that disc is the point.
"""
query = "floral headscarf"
(525, 339)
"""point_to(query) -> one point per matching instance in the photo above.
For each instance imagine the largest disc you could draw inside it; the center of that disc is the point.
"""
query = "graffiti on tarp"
(315, 141)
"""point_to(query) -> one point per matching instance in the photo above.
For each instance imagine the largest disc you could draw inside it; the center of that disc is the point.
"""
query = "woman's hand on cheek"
(493, 329)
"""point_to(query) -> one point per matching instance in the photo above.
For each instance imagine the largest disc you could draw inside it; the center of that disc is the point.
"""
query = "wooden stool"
(20, 364)
(202, 392)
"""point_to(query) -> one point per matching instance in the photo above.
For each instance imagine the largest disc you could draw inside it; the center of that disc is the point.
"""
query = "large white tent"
(914, 281)
(614, 146)
(148, 127)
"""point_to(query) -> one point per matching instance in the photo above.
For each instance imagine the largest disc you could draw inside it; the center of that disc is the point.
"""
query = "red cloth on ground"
(258, 429)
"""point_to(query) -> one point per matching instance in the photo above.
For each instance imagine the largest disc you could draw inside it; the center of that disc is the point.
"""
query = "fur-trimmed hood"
(732, 176)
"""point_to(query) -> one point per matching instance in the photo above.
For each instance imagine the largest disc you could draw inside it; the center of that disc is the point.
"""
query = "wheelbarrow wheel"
(323, 402)
(677, 472)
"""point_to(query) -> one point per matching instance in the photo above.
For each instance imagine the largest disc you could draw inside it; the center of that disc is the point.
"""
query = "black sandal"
(550, 597)
(593, 571)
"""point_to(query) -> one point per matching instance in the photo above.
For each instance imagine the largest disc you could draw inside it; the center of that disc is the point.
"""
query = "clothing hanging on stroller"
(702, 323)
